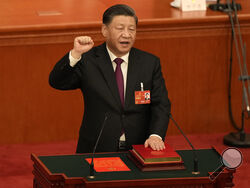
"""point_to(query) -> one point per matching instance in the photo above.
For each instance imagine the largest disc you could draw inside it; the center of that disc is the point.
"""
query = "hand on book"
(155, 143)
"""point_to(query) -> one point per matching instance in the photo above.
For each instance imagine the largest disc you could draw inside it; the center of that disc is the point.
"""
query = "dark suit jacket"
(95, 76)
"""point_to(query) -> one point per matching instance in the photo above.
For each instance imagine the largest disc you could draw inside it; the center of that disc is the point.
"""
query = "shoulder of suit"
(144, 54)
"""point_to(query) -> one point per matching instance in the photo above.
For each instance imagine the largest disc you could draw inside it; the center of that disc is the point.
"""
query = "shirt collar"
(113, 57)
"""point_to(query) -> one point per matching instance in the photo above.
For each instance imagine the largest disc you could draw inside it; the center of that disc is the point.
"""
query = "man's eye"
(119, 28)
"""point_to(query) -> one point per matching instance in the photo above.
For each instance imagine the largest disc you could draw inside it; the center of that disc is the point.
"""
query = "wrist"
(75, 54)
(155, 135)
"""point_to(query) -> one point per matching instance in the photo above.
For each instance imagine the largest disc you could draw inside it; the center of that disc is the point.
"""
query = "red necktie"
(119, 78)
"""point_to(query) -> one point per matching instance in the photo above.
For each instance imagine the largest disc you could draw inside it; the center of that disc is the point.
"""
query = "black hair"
(118, 10)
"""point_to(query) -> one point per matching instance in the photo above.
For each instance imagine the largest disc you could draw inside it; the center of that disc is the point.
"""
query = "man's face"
(120, 34)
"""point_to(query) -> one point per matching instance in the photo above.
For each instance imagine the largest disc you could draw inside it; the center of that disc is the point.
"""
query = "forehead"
(123, 20)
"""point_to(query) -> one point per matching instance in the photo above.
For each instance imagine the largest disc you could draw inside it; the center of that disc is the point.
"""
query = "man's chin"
(122, 53)
(125, 50)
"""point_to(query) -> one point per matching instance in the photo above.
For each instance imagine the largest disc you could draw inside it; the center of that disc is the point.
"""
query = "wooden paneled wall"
(194, 49)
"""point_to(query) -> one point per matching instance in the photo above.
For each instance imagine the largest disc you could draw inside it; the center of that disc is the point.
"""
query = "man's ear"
(104, 30)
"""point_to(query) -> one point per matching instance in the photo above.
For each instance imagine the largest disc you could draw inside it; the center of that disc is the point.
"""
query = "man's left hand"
(155, 143)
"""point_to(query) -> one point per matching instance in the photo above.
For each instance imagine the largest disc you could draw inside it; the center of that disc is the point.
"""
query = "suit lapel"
(132, 77)
(105, 65)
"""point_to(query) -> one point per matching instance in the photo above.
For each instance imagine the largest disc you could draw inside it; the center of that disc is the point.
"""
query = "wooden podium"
(71, 171)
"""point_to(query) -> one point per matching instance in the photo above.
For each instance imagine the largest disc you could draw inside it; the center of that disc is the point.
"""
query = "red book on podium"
(149, 160)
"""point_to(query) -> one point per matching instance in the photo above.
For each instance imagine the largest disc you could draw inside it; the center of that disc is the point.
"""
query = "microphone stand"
(91, 166)
(239, 139)
(196, 169)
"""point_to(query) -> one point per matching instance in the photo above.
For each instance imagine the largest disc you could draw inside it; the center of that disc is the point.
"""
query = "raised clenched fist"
(82, 44)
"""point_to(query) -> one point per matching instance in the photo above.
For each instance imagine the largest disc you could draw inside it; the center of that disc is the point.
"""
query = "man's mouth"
(124, 42)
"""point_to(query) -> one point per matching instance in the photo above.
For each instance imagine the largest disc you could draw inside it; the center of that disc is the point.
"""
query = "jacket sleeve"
(160, 104)
(63, 76)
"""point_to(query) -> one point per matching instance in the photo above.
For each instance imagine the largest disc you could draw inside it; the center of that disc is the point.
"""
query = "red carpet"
(16, 165)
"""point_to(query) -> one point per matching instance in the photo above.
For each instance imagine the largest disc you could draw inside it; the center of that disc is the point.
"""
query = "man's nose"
(126, 33)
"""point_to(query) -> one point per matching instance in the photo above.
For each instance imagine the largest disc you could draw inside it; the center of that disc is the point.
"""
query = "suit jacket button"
(123, 116)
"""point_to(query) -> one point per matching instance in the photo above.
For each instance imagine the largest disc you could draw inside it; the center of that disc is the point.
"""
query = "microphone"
(216, 6)
(224, 7)
(91, 166)
(244, 75)
(240, 138)
(195, 170)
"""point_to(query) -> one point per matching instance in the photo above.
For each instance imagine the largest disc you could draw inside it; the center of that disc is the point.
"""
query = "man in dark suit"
(108, 76)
